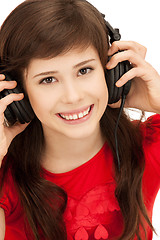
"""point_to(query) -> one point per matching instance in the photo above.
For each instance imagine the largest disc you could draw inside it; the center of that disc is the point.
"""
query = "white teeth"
(75, 116)
(85, 113)
(70, 117)
(80, 115)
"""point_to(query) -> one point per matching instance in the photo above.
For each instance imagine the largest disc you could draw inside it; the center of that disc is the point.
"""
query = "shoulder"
(8, 191)
(150, 130)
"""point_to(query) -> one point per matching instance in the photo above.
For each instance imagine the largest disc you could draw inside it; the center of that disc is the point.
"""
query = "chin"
(83, 133)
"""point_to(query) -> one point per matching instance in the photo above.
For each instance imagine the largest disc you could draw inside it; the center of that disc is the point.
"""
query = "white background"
(137, 20)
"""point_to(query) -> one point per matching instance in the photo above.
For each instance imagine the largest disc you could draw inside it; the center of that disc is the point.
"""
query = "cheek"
(102, 90)
(40, 103)
(104, 97)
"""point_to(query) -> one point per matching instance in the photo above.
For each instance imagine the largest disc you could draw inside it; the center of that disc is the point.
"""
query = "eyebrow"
(53, 72)
(84, 62)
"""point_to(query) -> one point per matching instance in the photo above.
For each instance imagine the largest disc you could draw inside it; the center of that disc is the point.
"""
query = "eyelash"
(86, 68)
(43, 81)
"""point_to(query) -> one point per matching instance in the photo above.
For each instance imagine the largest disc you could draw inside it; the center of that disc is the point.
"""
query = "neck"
(62, 154)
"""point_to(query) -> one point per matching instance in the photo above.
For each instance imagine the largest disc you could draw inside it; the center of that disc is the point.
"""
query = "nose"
(72, 93)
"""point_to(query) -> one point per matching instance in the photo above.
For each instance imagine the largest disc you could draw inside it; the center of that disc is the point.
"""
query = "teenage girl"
(62, 176)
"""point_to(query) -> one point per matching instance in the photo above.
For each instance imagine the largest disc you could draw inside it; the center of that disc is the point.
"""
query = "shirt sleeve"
(8, 196)
(151, 142)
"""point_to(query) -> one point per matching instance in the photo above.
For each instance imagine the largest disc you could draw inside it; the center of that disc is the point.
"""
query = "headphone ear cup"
(127, 86)
(22, 108)
(9, 115)
(18, 110)
(112, 76)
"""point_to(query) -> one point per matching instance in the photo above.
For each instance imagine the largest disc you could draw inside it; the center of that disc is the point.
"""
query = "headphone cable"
(116, 128)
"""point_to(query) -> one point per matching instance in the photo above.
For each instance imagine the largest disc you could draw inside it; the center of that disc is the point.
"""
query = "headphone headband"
(112, 32)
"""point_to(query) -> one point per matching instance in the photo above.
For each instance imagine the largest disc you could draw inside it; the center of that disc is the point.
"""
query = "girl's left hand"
(145, 88)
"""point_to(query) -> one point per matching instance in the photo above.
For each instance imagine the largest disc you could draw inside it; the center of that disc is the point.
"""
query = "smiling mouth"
(76, 116)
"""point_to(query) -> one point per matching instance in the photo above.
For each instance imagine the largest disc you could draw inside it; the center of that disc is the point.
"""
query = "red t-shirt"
(92, 210)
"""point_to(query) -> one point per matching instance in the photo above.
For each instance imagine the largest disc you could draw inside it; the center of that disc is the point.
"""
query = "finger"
(115, 105)
(131, 74)
(7, 85)
(127, 45)
(2, 76)
(4, 102)
(129, 55)
(17, 128)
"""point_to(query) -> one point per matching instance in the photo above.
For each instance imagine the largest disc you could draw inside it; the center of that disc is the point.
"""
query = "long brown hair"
(38, 28)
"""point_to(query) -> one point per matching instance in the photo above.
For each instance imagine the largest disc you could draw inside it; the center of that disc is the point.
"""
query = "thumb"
(115, 105)
(13, 131)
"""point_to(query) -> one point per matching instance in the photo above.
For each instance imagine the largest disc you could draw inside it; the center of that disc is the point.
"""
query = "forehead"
(73, 56)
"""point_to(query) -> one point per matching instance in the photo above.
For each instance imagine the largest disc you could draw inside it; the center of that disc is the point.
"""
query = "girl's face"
(68, 93)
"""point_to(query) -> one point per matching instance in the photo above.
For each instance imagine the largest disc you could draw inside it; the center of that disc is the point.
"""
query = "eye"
(48, 80)
(84, 71)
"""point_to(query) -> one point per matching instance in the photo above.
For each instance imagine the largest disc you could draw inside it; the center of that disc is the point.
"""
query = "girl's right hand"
(7, 133)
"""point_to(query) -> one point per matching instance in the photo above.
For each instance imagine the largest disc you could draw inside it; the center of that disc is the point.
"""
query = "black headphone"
(18, 110)
(113, 75)
(22, 111)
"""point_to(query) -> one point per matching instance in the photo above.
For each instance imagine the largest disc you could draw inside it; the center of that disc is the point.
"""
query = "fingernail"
(2, 76)
(21, 94)
(108, 65)
(118, 83)
(109, 52)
